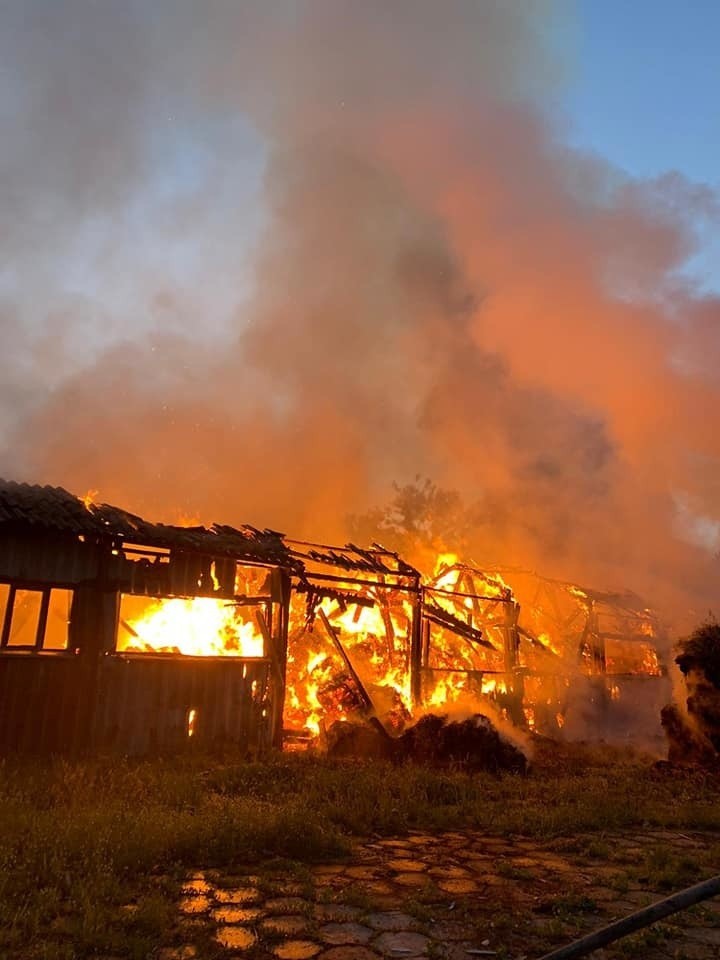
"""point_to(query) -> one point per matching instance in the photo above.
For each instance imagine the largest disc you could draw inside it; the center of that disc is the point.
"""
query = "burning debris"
(471, 744)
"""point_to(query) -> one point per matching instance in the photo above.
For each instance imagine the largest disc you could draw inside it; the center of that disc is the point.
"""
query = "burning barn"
(370, 637)
(124, 635)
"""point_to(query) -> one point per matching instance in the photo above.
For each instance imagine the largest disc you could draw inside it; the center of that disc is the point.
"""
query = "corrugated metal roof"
(25, 506)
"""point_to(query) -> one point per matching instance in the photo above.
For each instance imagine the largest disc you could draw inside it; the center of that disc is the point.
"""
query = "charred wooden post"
(337, 643)
(515, 679)
(416, 645)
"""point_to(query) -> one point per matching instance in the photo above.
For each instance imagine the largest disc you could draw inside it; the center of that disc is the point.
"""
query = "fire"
(89, 499)
(375, 636)
(184, 519)
(191, 718)
(200, 627)
(350, 644)
(561, 632)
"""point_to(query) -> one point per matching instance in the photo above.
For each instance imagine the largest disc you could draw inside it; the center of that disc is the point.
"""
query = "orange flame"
(199, 627)
(89, 499)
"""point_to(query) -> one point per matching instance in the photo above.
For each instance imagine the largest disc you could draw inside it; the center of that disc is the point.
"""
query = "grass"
(92, 853)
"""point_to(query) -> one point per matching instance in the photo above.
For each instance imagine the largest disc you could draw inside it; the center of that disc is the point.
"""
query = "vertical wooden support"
(425, 643)
(281, 588)
(416, 645)
(597, 643)
(514, 679)
(601, 694)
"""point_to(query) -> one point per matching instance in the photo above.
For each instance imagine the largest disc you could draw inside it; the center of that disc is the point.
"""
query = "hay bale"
(347, 738)
(694, 733)
(472, 744)
(686, 743)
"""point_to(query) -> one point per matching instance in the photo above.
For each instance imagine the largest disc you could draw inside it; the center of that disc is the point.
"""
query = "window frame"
(7, 617)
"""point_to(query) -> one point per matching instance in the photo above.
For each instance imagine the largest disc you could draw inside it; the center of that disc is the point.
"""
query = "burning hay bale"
(693, 732)
(472, 744)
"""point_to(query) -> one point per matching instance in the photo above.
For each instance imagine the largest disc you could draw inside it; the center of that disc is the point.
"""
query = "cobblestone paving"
(452, 896)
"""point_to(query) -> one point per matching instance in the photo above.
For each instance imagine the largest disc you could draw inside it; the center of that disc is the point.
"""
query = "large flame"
(200, 627)
(349, 655)
(376, 641)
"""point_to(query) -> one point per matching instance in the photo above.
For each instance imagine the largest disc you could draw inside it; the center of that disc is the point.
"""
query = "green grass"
(92, 853)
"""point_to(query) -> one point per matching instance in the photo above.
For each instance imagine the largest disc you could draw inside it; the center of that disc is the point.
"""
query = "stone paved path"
(452, 896)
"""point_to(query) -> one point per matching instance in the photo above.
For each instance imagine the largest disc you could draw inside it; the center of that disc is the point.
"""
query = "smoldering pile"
(472, 744)
(693, 728)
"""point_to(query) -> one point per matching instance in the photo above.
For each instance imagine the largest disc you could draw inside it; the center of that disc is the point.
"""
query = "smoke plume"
(261, 260)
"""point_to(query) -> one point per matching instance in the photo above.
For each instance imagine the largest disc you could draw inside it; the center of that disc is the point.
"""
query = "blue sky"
(645, 92)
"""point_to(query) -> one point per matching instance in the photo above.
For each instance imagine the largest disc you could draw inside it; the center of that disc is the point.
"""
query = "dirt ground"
(453, 896)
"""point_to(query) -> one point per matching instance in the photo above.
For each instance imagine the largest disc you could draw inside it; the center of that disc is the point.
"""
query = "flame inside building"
(146, 637)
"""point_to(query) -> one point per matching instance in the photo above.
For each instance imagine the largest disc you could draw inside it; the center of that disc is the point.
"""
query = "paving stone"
(397, 844)
(390, 920)
(196, 887)
(232, 914)
(459, 886)
(289, 888)
(449, 872)
(288, 905)
(458, 950)
(329, 869)
(407, 865)
(421, 840)
(362, 873)
(236, 938)
(287, 926)
(340, 934)
(331, 912)
(490, 880)
(194, 905)
(379, 888)
(237, 894)
(349, 953)
(296, 949)
(449, 930)
(403, 944)
(411, 879)
(555, 864)
(335, 881)
(186, 952)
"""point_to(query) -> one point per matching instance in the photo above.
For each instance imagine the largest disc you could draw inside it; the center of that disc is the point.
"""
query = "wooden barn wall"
(91, 699)
(135, 706)
(143, 704)
(59, 560)
(45, 703)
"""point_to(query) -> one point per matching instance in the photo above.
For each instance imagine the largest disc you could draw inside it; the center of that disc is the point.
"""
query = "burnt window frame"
(7, 616)
(263, 603)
